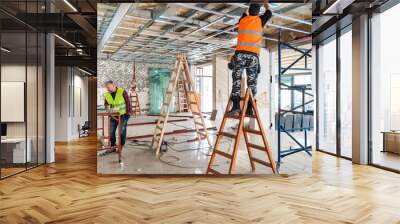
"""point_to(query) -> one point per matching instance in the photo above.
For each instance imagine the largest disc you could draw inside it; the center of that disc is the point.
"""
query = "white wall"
(16, 73)
(71, 102)
(222, 84)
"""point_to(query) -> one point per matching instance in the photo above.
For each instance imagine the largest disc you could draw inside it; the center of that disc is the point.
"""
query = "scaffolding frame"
(295, 109)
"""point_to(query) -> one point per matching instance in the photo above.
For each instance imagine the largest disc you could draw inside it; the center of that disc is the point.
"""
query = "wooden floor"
(70, 191)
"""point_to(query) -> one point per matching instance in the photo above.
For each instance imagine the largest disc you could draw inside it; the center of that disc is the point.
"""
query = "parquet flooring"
(70, 191)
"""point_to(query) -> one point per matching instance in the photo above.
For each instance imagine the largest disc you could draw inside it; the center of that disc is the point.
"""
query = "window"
(346, 93)
(327, 96)
(204, 85)
(385, 89)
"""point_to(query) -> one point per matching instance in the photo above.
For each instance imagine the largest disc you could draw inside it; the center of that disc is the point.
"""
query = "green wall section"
(158, 79)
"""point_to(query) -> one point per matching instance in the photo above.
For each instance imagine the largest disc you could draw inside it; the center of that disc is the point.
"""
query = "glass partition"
(22, 77)
(13, 94)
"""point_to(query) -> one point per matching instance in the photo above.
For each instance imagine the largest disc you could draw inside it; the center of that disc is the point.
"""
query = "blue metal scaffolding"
(296, 118)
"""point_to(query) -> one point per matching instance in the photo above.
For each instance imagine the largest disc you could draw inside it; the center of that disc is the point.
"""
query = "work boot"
(249, 111)
(235, 110)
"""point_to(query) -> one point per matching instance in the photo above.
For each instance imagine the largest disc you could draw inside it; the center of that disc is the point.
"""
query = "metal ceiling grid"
(157, 32)
(105, 13)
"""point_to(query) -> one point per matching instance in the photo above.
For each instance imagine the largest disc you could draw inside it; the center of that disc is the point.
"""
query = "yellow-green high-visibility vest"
(118, 103)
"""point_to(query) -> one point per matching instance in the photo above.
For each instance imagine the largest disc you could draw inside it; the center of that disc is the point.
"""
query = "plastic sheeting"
(158, 79)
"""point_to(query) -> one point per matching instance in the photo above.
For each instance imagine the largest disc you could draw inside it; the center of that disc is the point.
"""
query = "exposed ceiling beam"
(87, 28)
(277, 14)
(155, 15)
(191, 6)
(121, 12)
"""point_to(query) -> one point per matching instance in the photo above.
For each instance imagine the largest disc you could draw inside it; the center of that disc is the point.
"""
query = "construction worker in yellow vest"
(249, 42)
(117, 100)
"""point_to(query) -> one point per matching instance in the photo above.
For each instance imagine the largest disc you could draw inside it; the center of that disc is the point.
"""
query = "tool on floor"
(181, 72)
(248, 97)
(134, 95)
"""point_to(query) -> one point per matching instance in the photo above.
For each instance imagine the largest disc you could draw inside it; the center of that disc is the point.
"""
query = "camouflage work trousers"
(243, 61)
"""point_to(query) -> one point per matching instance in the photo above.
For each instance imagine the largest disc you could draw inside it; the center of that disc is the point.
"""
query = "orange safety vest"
(250, 34)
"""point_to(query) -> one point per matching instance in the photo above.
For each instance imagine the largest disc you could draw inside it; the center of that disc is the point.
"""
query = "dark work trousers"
(114, 126)
(242, 61)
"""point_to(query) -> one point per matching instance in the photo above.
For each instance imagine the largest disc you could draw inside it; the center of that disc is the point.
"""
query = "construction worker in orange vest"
(249, 42)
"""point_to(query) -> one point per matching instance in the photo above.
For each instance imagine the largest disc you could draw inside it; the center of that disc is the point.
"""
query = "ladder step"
(229, 135)
(224, 154)
(252, 131)
(213, 171)
(261, 162)
(200, 124)
(193, 102)
(256, 147)
(232, 117)
(202, 130)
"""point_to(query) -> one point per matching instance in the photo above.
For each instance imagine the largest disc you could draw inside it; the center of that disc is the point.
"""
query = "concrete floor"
(186, 156)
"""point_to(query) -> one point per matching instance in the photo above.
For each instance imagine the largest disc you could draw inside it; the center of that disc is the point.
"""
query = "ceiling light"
(64, 40)
(70, 5)
(5, 50)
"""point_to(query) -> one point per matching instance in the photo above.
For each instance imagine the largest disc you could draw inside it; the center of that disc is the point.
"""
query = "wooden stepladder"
(134, 95)
(248, 97)
(181, 102)
(181, 72)
(135, 103)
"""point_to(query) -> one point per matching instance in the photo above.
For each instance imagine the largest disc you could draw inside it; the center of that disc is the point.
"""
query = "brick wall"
(121, 74)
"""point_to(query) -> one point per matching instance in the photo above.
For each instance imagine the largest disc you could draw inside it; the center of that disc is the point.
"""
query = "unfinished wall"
(121, 74)
(222, 84)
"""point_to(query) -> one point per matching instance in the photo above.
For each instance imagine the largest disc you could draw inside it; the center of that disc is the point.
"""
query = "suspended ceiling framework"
(156, 32)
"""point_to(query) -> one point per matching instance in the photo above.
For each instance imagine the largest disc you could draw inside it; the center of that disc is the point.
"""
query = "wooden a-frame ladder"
(248, 97)
(135, 104)
(181, 72)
